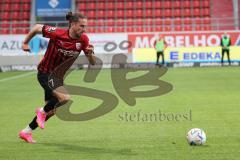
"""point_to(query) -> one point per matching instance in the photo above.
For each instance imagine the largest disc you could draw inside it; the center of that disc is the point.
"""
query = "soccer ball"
(196, 136)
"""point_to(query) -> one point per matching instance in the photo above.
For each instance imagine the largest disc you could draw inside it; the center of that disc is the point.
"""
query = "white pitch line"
(16, 77)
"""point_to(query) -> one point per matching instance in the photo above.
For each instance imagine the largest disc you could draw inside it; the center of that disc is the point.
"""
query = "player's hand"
(25, 47)
(89, 49)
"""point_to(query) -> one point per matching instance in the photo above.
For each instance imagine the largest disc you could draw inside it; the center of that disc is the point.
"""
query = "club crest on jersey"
(78, 45)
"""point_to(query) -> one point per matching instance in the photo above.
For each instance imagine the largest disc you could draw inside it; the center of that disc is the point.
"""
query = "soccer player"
(225, 43)
(63, 49)
(160, 45)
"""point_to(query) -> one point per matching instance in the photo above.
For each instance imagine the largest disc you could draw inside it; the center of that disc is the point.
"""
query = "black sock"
(50, 105)
(33, 125)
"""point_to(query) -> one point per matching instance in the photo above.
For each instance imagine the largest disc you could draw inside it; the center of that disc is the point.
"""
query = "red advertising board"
(187, 39)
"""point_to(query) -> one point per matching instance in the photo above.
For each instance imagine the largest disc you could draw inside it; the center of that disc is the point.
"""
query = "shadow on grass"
(90, 150)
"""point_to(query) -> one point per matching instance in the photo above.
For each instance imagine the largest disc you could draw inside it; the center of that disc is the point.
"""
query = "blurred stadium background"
(192, 29)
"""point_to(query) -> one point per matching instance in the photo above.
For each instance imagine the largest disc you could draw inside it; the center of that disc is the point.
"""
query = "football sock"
(50, 105)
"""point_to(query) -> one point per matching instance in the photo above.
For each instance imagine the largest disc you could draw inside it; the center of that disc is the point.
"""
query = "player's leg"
(157, 61)
(228, 56)
(163, 60)
(222, 56)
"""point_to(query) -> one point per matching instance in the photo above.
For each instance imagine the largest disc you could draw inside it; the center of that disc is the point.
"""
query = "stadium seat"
(119, 29)
(176, 4)
(167, 28)
(25, 16)
(178, 28)
(157, 13)
(110, 13)
(91, 23)
(158, 28)
(138, 13)
(7, 1)
(120, 13)
(166, 4)
(6, 7)
(187, 28)
(100, 22)
(16, 1)
(196, 3)
(110, 5)
(4, 31)
(167, 13)
(110, 22)
(138, 4)
(149, 13)
(167, 21)
(110, 29)
(196, 12)
(16, 7)
(177, 21)
(81, 6)
(26, 7)
(129, 13)
(186, 4)
(15, 24)
(4, 24)
(206, 20)
(129, 22)
(15, 16)
(25, 1)
(197, 20)
(120, 5)
(187, 20)
(91, 6)
(139, 22)
(90, 30)
(139, 29)
(158, 4)
(187, 13)
(158, 22)
(130, 29)
(148, 4)
(5, 15)
(205, 12)
(129, 5)
(177, 13)
(100, 5)
(100, 14)
(91, 14)
(206, 3)
(120, 22)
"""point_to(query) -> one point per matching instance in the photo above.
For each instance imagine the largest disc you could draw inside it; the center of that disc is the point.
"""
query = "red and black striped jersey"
(61, 49)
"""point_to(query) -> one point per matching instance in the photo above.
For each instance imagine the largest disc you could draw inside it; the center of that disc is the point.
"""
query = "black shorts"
(49, 83)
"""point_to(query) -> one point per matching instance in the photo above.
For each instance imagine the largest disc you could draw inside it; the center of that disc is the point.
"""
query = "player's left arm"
(89, 53)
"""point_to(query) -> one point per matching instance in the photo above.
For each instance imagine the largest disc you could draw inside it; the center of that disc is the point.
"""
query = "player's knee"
(64, 99)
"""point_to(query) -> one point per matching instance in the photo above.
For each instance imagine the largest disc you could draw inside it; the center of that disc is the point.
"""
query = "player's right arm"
(35, 30)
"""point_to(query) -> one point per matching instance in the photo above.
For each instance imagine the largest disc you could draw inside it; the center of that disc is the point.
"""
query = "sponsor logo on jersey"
(68, 52)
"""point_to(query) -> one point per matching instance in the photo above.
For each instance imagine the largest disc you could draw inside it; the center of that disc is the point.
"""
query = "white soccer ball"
(196, 136)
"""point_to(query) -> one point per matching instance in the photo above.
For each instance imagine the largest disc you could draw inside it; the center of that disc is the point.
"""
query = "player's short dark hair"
(74, 17)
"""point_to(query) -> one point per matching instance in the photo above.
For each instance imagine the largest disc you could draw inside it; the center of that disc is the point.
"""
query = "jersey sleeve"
(49, 32)
(86, 43)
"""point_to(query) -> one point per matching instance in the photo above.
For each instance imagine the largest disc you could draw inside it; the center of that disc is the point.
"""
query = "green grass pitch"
(212, 94)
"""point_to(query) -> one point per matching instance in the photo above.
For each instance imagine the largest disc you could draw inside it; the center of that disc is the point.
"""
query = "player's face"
(79, 27)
